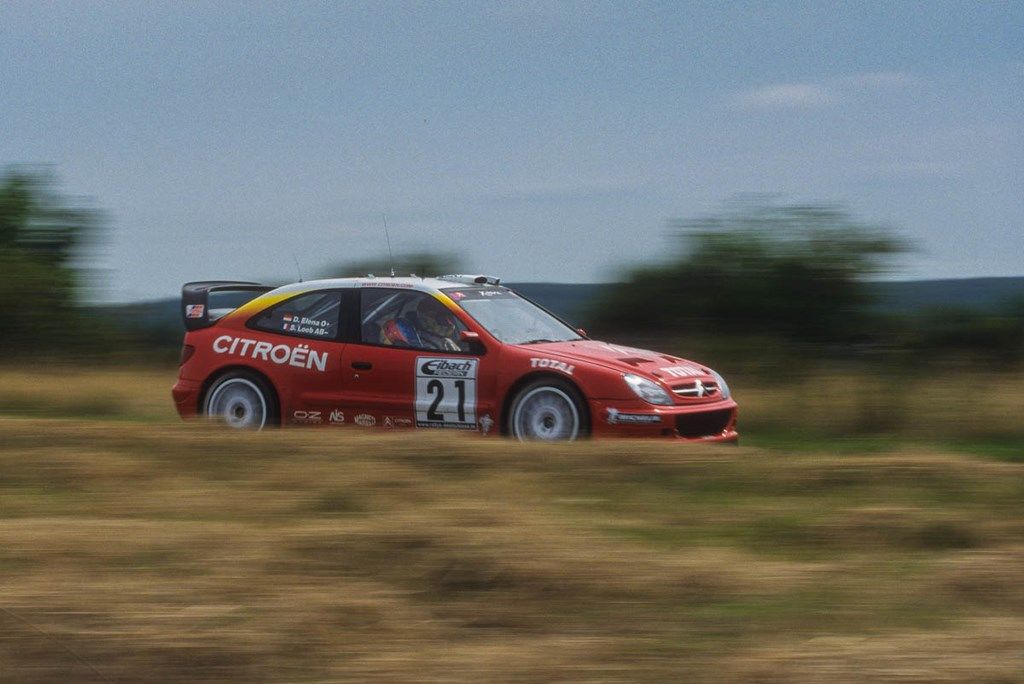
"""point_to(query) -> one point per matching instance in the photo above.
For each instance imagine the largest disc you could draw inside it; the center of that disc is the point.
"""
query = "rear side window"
(315, 315)
(221, 303)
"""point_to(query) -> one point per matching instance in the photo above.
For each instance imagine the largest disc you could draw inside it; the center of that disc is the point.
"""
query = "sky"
(542, 141)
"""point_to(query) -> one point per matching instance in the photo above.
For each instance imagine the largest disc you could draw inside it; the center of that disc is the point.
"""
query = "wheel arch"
(224, 370)
(523, 381)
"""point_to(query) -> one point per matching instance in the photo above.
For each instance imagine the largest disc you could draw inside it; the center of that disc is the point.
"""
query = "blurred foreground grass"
(184, 553)
(879, 535)
(56, 391)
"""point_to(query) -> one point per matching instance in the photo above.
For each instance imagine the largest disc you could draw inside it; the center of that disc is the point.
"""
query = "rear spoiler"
(197, 311)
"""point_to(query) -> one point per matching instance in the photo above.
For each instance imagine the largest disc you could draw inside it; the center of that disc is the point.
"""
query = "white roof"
(407, 283)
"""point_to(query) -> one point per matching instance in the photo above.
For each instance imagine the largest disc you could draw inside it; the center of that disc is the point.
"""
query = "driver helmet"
(398, 333)
(435, 318)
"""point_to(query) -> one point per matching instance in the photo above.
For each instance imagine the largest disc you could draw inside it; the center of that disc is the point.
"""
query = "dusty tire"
(241, 400)
(548, 409)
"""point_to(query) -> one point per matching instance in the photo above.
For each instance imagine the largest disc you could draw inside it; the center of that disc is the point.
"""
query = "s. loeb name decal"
(300, 356)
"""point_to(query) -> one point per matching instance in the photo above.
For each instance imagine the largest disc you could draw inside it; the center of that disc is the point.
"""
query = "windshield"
(509, 317)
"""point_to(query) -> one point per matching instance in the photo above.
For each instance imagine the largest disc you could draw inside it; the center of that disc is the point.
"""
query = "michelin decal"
(616, 417)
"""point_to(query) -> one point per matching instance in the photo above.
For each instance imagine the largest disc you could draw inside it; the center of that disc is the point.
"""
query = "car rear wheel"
(242, 401)
(548, 410)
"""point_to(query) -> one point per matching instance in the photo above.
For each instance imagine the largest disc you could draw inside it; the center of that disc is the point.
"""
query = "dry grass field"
(134, 548)
(984, 412)
(133, 393)
(925, 407)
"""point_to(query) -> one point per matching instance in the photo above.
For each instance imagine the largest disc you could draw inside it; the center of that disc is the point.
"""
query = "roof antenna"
(297, 269)
(391, 258)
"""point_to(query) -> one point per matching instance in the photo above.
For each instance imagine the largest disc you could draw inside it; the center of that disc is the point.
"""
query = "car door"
(314, 327)
(400, 380)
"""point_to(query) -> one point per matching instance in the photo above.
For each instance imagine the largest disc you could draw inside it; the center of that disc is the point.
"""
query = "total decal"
(682, 371)
(299, 356)
(194, 310)
(446, 392)
(616, 417)
(553, 365)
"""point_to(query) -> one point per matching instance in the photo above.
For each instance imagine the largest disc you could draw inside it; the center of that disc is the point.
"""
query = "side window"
(406, 318)
(315, 315)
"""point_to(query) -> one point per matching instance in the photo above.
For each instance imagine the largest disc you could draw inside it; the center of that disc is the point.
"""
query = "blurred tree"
(796, 272)
(967, 336)
(41, 235)
(419, 263)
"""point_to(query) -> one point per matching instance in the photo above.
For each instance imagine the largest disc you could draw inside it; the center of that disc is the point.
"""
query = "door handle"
(362, 365)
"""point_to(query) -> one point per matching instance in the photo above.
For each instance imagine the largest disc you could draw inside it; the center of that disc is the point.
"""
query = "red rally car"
(449, 352)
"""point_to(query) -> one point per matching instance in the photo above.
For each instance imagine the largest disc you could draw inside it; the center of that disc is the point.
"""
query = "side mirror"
(472, 340)
(582, 332)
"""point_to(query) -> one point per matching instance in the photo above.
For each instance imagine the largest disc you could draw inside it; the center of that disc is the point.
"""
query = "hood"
(664, 367)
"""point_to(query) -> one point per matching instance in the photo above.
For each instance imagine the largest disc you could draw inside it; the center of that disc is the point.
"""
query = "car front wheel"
(548, 410)
(241, 400)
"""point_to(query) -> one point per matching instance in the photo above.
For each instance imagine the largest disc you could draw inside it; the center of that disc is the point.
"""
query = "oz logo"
(307, 417)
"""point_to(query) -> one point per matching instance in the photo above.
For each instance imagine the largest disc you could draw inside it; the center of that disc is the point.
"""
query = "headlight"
(647, 390)
(723, 386)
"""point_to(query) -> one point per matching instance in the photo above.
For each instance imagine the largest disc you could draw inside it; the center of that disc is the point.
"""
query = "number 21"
(437, 387)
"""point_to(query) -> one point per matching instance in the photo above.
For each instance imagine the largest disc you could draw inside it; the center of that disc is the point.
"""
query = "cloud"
(824, 93)
(787, 96)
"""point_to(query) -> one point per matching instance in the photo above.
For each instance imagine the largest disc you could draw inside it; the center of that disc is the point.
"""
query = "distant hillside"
(159, 319)
(961, 293)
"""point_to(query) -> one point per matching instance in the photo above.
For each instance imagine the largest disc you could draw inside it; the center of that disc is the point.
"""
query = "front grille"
(705, 424)
(696, 389)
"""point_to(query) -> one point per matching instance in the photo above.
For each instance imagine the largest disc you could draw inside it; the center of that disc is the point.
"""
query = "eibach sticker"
(446, 392)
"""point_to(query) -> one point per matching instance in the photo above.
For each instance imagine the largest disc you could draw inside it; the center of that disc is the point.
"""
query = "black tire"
(242, 400)
(548, 409)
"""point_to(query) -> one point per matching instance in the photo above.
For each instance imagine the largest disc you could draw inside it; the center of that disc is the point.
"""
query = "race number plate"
(446, 392)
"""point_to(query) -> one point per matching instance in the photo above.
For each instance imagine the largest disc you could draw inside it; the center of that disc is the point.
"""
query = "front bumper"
(186, 397)
(711, 422)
